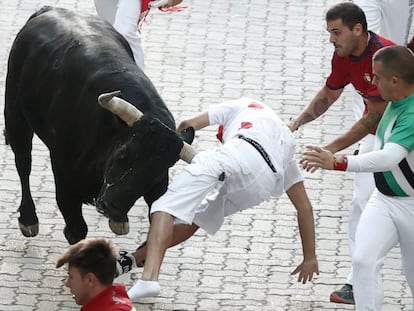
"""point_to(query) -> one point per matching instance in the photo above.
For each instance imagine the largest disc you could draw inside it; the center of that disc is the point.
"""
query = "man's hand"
(306, 270)
(198, 122)
(185, 125)
(293, 125)
(315, 157)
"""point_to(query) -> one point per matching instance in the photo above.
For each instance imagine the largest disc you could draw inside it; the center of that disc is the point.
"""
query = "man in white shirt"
(255, 162)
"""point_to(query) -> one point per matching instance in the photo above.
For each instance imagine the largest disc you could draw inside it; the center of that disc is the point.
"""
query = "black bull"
(59, 64)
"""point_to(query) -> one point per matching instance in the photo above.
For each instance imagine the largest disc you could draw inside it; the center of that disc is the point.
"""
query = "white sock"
(143, 289)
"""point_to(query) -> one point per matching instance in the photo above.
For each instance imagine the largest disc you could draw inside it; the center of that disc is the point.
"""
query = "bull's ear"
(187, 135)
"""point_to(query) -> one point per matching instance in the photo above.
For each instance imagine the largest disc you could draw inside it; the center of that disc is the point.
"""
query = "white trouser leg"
(376, 235)
(106, 9)
(405, 220)
(363, 186)
(124, 16)
(372, 10)
(396, 21)
(359, 105)
(126, 22)
(389, 18)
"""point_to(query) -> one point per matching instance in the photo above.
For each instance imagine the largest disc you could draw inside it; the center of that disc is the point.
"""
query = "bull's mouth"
(118, 221)
(110, 211)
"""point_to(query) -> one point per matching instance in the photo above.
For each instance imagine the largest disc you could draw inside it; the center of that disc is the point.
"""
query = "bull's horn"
(127, 112)
(130, 114)
(187, 153)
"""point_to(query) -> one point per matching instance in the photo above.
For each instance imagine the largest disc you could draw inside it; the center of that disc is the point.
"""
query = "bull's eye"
(120, 163)
(118, 166)
(122, 150)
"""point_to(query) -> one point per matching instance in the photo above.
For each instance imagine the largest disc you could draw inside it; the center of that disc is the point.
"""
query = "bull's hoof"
(120, 228)
(29, 231)
(75, 234)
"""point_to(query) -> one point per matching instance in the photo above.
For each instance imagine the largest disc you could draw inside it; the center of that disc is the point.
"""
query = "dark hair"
(93, 255)
(396, 61)
(349, 13)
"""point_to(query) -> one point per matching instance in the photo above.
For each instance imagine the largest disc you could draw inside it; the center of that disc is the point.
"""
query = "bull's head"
(138, 164)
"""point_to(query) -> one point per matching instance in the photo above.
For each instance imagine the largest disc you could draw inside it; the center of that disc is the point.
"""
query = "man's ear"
(358, 30)
(91, 278)
(394, 80)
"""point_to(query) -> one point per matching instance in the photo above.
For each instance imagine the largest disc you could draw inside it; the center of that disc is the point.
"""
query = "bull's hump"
(58, 22)
(58, 36)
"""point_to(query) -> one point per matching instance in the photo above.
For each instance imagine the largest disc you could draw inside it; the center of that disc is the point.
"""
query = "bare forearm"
(312, 111)
(198, 122)
(307, 233)
(358, 131)
(317, 107)
(300, 200)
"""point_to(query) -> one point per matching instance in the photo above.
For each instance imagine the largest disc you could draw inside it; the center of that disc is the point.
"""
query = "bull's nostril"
(100, 207)
(108, 210)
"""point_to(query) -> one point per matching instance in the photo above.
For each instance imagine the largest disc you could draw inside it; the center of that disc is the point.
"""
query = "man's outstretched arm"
(197, 122)
(299, 198)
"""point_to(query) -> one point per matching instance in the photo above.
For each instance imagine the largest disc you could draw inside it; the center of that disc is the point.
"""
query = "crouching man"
(91, 269)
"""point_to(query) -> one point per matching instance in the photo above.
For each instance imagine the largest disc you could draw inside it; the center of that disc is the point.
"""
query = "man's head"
(393, 69)
(347, 25)
(91, 267)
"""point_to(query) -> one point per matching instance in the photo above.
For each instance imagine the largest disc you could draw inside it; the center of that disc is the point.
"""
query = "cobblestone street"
(276, 51)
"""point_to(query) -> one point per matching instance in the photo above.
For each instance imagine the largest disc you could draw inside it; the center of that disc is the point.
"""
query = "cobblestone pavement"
(272, 50)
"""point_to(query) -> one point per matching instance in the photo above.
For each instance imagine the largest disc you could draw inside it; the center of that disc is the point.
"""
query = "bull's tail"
(5, 137)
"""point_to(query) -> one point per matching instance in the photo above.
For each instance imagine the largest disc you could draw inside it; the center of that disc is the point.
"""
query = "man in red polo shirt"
(351, 64)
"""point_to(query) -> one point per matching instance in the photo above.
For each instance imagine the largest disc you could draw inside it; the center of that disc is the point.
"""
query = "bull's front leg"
(71, 209)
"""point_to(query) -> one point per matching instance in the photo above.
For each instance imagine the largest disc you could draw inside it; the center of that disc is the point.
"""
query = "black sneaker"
(344, 295)
(125, 263)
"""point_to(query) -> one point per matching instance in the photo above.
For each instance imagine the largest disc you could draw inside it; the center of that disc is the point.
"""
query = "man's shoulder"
(378, 41)
(120, 308)
(114, 298)
(120, 299)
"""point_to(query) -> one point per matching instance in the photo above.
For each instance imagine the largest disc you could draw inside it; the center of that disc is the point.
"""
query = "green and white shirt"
(392, 160)
(397, 126)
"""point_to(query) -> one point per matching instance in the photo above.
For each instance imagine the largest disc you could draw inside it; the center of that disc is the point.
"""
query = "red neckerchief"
(219, 134)
(175, 8)
(145, 8)
(144, 12)
(243, 125)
